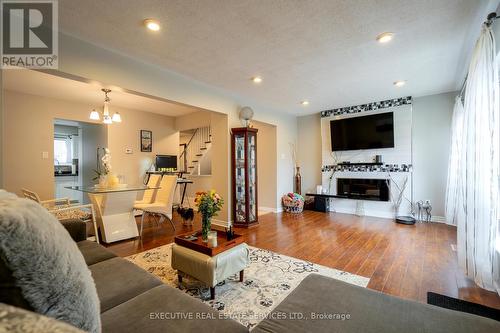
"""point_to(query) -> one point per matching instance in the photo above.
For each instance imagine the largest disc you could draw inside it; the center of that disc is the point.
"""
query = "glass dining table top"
(124, 188)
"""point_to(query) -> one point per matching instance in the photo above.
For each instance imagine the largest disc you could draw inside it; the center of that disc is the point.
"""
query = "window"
(62, 151)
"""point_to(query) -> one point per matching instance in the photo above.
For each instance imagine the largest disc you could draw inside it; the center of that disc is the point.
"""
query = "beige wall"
(267, 167)
(126, 135)
(29, 131)
(221, 181)
(193, 120)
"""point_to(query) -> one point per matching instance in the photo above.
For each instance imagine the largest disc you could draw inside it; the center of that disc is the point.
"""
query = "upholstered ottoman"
(207, 269)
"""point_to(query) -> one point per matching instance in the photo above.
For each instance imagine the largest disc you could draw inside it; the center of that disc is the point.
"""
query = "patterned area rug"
(269, 278)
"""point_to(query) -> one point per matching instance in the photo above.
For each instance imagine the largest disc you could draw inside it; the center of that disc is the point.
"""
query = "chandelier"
(106, 118)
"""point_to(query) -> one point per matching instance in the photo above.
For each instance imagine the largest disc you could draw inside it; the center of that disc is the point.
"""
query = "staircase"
(194, 154)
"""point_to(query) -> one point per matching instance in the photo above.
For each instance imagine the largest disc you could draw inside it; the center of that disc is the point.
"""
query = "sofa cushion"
(166, 309)
(118, 280)
(46, 263)
(369, 311)
(16, 320)
(93, 252)
(77, 229)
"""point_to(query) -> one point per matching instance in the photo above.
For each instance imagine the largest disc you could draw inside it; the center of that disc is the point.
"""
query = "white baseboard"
(221, 223)
(385, 214)
(439, 219)
(270, 209)
(374, 213)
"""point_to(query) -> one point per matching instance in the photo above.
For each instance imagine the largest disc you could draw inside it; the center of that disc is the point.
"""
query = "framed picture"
(146, 141)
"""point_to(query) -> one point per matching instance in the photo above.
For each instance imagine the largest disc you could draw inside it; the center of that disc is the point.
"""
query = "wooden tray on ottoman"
(198, 245)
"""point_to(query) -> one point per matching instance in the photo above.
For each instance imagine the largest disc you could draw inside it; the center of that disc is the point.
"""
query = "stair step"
(199, 154)
(191, 167)
(195, 161)
(208, 141)
(203, 148)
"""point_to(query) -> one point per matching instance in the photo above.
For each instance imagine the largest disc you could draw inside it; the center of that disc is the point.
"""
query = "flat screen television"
(166, 162)
(366, 132)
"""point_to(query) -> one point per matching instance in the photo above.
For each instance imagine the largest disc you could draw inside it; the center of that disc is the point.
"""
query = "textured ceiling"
(320, 50)
(42, 84)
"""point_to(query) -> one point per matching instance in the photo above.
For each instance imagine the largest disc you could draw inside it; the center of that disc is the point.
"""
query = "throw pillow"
(46, 264)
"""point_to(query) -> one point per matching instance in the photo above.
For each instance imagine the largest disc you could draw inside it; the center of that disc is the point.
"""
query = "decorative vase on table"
(208, 204)
(206, 224)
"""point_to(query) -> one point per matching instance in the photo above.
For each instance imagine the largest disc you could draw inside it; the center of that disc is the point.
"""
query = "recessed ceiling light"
(385, 37)
(151, 24)
(305, 103)
(256, 79)
(399, 83)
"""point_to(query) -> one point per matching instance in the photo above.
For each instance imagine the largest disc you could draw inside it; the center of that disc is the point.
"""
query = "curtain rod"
(489, 21)
(491, 18)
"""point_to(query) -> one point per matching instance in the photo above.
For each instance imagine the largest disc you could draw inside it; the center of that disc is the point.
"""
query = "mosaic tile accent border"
(368, 168)
(368, 107)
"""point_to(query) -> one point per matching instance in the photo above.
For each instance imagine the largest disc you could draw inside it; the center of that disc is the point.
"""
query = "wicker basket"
(292, 205)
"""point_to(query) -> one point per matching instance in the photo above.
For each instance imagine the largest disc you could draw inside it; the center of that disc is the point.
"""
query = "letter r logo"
(27, 27)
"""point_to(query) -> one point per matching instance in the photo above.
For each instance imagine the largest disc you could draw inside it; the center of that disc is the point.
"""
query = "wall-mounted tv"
(365, 132)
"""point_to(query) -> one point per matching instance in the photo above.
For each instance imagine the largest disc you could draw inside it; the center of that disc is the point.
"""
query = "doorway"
(75, 157)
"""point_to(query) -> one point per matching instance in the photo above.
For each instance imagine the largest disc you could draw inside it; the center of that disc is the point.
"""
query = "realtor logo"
(29, 34)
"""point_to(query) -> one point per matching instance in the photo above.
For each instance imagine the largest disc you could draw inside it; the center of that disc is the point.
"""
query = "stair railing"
(197, 142)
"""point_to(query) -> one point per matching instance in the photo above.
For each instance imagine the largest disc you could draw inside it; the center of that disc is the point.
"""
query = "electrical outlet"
(45, 155)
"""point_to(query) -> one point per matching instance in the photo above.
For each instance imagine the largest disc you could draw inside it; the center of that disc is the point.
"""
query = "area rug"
(269, 278)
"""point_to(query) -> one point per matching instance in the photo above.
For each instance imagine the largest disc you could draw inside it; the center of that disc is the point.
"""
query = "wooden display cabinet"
(244, 176)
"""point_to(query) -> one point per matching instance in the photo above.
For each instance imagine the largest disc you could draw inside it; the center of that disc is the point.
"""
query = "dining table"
(114, 209)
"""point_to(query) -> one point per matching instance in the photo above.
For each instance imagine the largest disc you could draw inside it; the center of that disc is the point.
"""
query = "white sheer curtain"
(477, 207)
(452, 188)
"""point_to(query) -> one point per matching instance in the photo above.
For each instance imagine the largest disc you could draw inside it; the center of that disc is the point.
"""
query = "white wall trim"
(270, 209)
(383, 214)
(221, 223)
(439, 219)
(368, 212)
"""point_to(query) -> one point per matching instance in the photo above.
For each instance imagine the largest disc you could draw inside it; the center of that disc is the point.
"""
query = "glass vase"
(206, 223)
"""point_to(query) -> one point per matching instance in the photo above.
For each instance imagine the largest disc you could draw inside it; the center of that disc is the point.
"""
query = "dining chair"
(46, 203)
(149, 195)
(162, 204)
(64, 209)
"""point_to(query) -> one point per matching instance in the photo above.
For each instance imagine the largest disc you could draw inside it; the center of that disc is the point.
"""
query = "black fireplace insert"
(363, 188)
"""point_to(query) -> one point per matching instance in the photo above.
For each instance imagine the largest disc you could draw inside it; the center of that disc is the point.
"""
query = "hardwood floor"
(405, 261)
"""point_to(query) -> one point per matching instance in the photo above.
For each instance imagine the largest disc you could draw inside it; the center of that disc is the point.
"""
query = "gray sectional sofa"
(132, 300)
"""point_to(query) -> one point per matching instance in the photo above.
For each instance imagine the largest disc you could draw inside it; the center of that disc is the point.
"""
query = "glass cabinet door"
(239, 172)
(244, 165)
(252, 177)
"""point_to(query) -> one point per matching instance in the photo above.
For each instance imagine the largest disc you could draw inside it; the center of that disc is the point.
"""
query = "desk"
(114, 210)
(185, 182)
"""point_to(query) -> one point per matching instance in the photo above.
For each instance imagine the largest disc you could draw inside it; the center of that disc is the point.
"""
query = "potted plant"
(208, 204)
(104, 175)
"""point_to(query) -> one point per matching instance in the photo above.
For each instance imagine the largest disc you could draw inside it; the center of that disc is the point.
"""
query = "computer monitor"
(167, 163)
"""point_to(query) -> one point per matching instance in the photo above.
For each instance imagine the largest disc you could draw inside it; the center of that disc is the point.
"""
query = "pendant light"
(106, 117)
